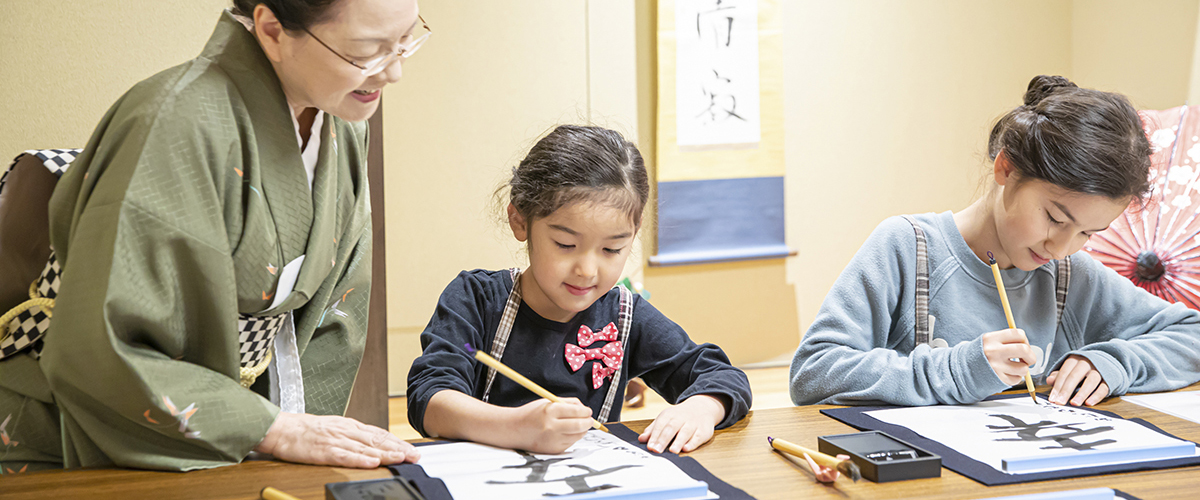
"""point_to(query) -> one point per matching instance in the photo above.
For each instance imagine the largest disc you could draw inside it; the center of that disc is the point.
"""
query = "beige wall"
(62, 64)
(1142, 49)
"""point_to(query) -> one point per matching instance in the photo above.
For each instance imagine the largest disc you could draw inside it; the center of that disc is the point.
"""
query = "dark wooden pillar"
(369, 399)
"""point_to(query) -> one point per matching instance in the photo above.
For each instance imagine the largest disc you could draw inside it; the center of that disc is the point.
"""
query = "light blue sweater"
(860, 348)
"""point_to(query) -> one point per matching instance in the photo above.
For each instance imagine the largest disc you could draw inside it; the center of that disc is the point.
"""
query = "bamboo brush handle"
(800, 451)
(484, 358)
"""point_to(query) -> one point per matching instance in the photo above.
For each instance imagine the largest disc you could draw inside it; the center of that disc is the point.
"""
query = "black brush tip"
(850, 469)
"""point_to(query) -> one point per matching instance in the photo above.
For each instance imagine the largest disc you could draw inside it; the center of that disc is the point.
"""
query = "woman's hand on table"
(334, 440)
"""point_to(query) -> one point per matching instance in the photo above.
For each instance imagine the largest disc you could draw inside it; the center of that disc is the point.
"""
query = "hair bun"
(1043, 85)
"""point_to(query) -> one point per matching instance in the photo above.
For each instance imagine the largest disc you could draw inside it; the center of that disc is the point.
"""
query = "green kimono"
(188, 201)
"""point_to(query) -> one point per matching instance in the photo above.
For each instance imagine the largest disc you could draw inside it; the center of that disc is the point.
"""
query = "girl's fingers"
(1090, 382)
(567, 409)
(698, 439)
(1006, 353)
(682, 437)
(648, 433)
(1059, 377)
(1071, 377)
(1010, 335)
(1097, 396)
(663, 437)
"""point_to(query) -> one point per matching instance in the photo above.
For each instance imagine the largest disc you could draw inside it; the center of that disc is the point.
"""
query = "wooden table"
(739, 455)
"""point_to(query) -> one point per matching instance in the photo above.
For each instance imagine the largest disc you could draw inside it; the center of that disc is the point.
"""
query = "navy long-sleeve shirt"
(658, 351)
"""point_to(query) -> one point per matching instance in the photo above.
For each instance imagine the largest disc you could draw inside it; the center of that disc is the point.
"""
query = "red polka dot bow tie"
(611, 354)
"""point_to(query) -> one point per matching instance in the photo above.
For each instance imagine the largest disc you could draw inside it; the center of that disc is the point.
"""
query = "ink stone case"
(881, 457)
(395, 488)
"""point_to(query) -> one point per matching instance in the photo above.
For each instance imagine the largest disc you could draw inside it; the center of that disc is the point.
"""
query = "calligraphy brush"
(1008, 315)
(847, 467)
(520, 379)
(270, 493)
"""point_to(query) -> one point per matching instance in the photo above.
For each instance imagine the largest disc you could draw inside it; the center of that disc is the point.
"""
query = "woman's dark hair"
(293, 15)
(574, 163)
(1082, 140)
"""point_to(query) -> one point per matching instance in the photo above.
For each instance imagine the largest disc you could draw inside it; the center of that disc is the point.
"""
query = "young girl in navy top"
(576, 200)
(915, 318)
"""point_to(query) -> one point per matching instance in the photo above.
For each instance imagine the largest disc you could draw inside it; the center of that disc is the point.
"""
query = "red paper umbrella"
(1158, 246)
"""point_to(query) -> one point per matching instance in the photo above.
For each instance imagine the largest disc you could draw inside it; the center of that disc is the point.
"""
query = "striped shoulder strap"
(624, 323)
(1063, 279)
(922, 294)
(500, 341)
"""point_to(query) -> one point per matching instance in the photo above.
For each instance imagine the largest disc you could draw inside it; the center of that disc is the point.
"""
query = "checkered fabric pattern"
(25, 330)
(50, 279)
(55, 160)
(28, 328)
(256, 335)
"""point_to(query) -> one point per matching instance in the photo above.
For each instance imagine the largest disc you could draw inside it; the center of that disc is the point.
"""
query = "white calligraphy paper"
(716, 72)
(599, 466)
(1010, 429)
(1185, 405)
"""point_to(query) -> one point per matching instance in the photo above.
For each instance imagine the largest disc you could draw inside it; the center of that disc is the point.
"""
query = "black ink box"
(881, 457)
(396, 488)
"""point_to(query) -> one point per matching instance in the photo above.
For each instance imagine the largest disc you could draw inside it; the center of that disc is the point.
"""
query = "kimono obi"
(24, 326)
(29, 323)
(256, 336)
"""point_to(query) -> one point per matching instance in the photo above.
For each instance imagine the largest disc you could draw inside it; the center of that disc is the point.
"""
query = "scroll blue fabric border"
(856, 417)
(435, 489)
(720, 220)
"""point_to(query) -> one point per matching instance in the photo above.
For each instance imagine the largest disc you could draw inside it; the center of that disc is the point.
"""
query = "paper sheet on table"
(599, 466)
(1185, 405)
(993, 431)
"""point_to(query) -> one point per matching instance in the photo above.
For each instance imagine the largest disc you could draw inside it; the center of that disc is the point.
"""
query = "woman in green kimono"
(214, 241)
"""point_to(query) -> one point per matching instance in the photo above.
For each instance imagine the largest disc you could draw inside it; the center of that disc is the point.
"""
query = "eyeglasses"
(408, 46)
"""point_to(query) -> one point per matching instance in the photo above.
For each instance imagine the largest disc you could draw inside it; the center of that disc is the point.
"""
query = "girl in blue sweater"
(924, 329)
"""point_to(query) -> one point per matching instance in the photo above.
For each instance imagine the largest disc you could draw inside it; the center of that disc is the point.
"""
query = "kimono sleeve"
(142, 355)
(678, 368)
(330, 361)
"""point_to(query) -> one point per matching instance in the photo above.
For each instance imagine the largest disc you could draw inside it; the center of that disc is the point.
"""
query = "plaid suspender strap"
(1060, 290)
(624, 321)
(922, 295)
(506, 322)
